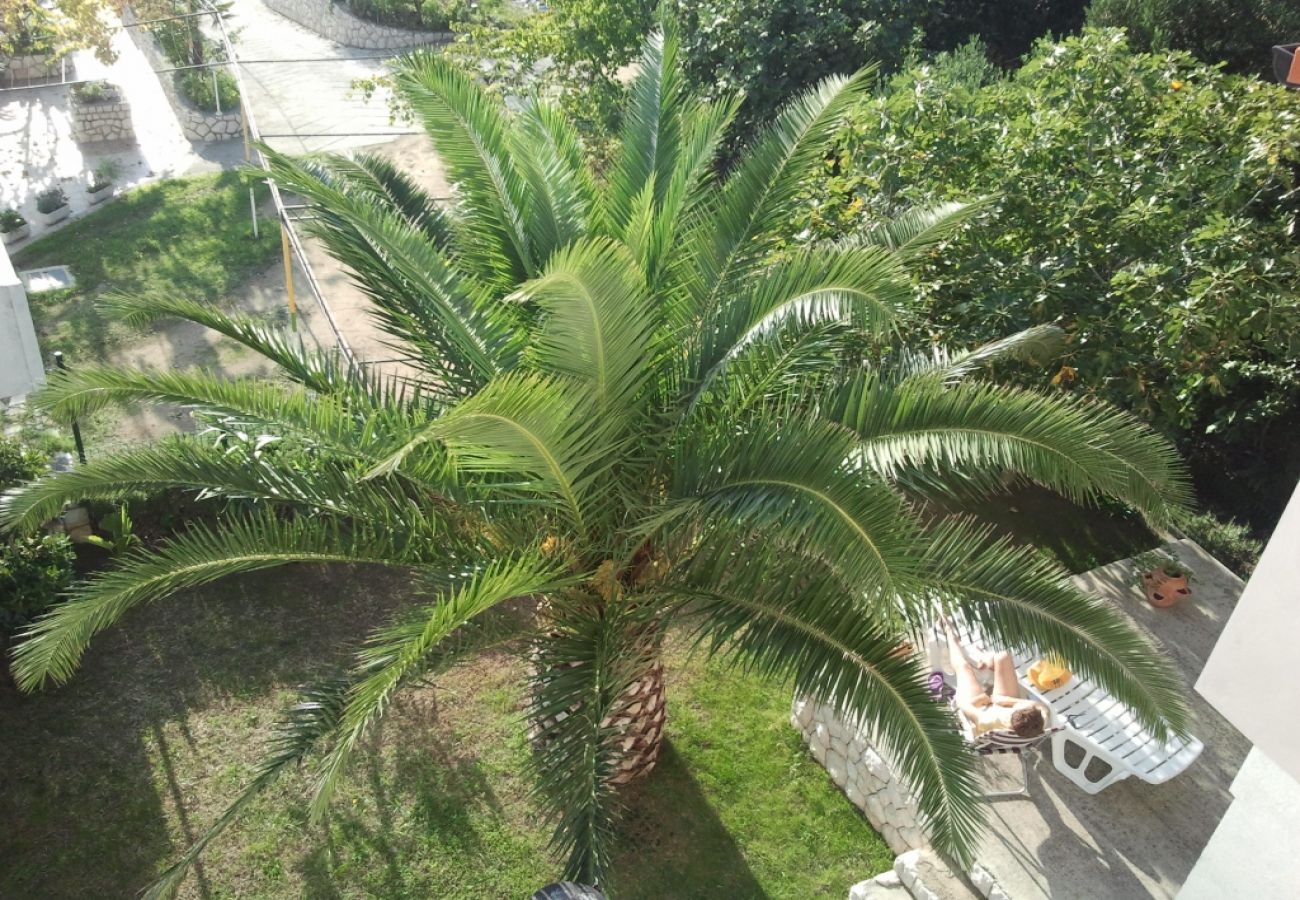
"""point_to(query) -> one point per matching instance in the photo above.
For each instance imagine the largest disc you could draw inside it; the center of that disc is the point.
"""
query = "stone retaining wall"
(864, 772)
(198, 125)
(94, 123)
(333, 21)
(24, 69)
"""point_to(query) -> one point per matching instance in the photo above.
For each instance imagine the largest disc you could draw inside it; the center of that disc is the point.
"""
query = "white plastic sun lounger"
(1102, 730)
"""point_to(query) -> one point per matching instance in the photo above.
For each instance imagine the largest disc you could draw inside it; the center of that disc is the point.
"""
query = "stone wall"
(333, 21)
(20, 70)
(108, 120)
(860, 770)
(864, 772)
(198, 125)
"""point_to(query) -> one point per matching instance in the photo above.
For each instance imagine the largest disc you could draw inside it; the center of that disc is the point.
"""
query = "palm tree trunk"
(638, 719)
(640, 722)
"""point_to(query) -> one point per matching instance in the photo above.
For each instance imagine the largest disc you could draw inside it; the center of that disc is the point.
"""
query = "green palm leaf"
(470, 131)
(52, 647)
(1076, 447)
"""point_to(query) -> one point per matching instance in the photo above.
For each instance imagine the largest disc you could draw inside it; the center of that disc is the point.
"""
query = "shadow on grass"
(90, 769)
(673, 844)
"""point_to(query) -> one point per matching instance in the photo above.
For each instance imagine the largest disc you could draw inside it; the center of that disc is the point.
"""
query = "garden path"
(307, 106)
(299, 84)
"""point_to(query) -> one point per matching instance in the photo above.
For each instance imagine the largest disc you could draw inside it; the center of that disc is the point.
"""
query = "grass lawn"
(187, 237)
(108, 777)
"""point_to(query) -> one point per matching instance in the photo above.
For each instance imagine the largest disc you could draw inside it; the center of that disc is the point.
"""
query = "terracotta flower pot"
(1164, 590)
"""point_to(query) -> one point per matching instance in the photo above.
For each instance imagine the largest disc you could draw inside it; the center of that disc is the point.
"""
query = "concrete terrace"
(1133, 839)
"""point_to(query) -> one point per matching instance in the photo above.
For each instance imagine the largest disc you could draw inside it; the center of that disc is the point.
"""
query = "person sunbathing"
(1004, 709)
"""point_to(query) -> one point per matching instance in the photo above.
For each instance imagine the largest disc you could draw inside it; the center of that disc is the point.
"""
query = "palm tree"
(638, 404)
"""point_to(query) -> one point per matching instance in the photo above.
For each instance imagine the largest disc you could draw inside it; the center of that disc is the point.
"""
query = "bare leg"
(1005, 683)
(968, 685)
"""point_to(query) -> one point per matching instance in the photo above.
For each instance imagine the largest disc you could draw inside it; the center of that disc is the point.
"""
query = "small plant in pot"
(52, 205)
(100, 186)
(1164, 579)
(13, 227)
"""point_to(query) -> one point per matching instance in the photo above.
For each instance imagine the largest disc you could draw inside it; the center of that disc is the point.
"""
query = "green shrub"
(18, 463)
(1145, 202)
(34, 571)
(11, 220)
(1238, 32)
(1227, 541)
(196, 86)
(423, 15)
(50, 199)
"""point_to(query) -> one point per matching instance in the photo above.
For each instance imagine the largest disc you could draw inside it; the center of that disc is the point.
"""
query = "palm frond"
(390, 189)
(598, 320)
(561, 195)
(1077, 447)
(403, 650)
(790, 622)
(470, 132)
(529, 435)
(51, 648)
(865, 288)
(790, 479)
(756, 200)
(323, 371)
(361, 418)
(591, 657)
(1020, 598)
(652, 131)
(462, 335)
(915, 232)
(1035, 345)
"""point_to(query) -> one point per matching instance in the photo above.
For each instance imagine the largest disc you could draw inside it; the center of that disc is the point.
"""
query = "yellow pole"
(288, 273)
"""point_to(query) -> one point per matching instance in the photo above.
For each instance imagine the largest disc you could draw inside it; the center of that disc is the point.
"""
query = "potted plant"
(1164, 579)
(100, 186)
(13, 227)
(52, 205)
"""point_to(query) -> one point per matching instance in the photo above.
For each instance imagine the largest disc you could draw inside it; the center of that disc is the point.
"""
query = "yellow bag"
(1049, 674)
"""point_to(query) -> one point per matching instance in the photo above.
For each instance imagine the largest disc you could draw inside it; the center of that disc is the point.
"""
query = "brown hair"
(1027, 722)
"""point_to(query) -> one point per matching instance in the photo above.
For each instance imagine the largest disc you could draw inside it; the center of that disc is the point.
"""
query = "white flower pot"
(100, 195)
(13, 237)
(58, 215)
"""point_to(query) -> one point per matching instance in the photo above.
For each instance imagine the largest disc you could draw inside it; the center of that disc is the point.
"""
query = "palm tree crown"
(637, 404)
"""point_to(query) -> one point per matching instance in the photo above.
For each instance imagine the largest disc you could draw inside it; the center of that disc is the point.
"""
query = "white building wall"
(1253, 678)
(1253, 852)
(1253, 675)
(20, 356)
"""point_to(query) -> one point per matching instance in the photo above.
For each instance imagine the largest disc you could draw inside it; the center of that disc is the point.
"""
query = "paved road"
(301, 101)
(310, 106)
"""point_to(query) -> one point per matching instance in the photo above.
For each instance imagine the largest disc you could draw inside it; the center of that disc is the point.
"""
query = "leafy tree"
(34, 27)
(1007, 28)
(773, 50)
(1238, 32)
(1144, 202)
(575, 50)
(631, 406)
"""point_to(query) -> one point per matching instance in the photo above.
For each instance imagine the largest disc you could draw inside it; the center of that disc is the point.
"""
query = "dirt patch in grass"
(109, 777)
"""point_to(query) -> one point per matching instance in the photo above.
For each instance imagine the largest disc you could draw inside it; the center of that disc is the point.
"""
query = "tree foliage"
(1237, 32)
(1144, 202)
(636, 403)
(56, 29)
